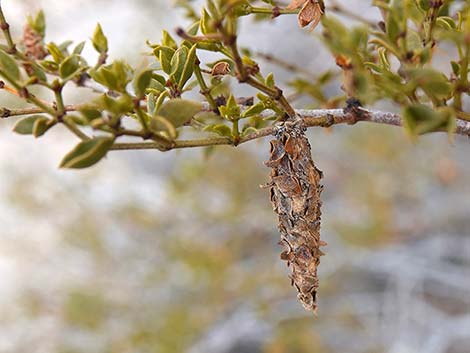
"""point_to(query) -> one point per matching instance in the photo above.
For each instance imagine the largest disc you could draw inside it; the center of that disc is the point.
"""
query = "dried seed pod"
(310, 13)
(295, 196)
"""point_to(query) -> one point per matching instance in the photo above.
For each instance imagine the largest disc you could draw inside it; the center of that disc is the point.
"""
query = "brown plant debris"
(33, 43)
(295, 195)
(310, 13)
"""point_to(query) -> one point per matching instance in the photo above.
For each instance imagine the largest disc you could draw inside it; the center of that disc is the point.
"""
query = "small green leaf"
(156, 84)
(164, 56)
(25, 126)
(168, 40)
(90, 113)
(455, 68)
(253, 110)
(37, 71)
(40, 126)
(219, 129)
(115, 76)
(231, 110)
(177, 64)
(79, 48)
(213, 9)
(207, 24)
(420, 119)
(270, 80)
(433, 82)
(159, 124)
(69, 67)
(87, 153)
(193, 29)
(446, 22)
(38, 24)
(249, 130)
(188, 68)
(142, 82)
(55, 52)
(9, 66)
(116, 106)
(100, 42)
(179, 111)
(48, 65)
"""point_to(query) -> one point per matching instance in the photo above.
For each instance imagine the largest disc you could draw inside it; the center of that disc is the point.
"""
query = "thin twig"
(311, 118)
(5, 27)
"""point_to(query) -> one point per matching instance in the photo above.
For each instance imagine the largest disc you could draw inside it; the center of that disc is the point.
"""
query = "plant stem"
(205, 91)
(59, 102)
(6, 32)
(311, 118)
(275, 93)
(274, 11)
(74, 129)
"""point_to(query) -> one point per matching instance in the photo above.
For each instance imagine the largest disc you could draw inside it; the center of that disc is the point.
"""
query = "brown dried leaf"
(311, 12)
(221, 68)
(296, 4)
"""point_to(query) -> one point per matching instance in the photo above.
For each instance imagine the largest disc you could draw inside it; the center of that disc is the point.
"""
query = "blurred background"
(177, 252)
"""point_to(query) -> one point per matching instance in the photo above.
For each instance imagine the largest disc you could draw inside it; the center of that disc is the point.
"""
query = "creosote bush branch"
(391, 60)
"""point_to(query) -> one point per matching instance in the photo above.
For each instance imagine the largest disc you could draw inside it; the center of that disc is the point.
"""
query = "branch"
(311, 118)
(5, 27)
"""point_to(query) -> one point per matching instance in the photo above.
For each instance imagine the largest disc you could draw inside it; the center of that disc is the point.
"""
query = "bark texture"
(295, 195)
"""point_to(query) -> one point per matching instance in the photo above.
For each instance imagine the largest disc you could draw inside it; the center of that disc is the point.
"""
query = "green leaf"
(87, 153)
(40, 126)
(207, 24)
(213, 9)
(393, 29)
(455, 68)
(9, 66)
(179, 111)
(253, 110)
(193, 29)
(431, 81)
(79, 48)
(231, 110)
(116, 106)
(49, 65)
(25, 126)
(270, 80)
(37, 71)
(115, 76)
(100, 42)
(420, 119)
(159, 124)
(219, 129)
(164, 56)
(55, 52)
(90, 113)
(69, 67)
(188, 68)
(177, 64)
(446, 22)
(168, 40)
(38, 24)
(142, 82)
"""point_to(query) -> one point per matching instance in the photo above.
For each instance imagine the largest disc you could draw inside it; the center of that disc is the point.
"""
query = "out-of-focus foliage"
(190, 263)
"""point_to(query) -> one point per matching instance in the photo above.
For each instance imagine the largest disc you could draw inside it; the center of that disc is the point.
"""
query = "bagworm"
(295, 195)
